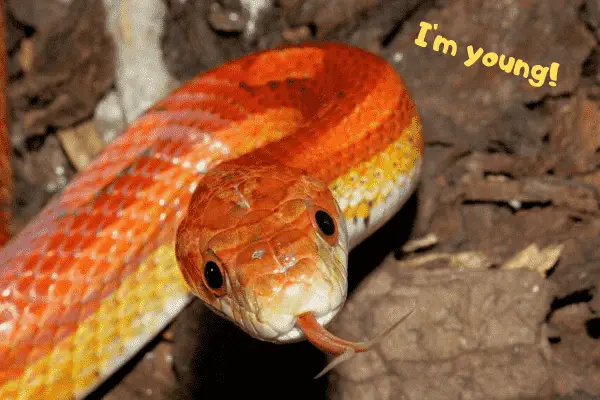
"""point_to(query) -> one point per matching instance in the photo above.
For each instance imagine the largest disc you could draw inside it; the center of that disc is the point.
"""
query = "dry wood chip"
(420, 243)
(26, 54)
(535, 259)
(466, 259)
(81, 144)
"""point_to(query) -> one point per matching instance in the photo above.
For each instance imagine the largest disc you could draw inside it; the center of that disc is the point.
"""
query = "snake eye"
(213, 275)
(325, 223)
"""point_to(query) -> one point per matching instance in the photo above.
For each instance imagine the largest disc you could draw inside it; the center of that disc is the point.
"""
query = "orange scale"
(254, 217)
(171, 175)
(94, 269)
(291, 214)
(87, 241)
(226, 90)
(32, 263)
(70, 268)
(102, 245)
(144, 126)
(224, 240)
(91, 292)
(123, 225)
(218, 107)
(252, 233)
(120, 246)
(70, 314)
(24, 334)
(152, 166)
(74, 242)
(217, 214)
(24, 283)
(285, 64)
(86, 310)
(137, 226)
(6, 336)
(78, 221)
(126, 225)
(129, 268)
(141, 206)
(42, 341)
(39, 311)
(263, 191)
(95, 221)
(41, 286)
(101, 200)
(16, 303)
(62, 288)
(179, 148)
(294, 242)
(10, 374)
(67, 316)
(41, 346)
(207, 125)
(54, 241)
(63, 331)
(107, 289)
(19, 353)
(116, 201)
(247, 262)
(192, 276)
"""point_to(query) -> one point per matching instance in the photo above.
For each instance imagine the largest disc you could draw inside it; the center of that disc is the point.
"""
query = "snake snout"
(263, 244)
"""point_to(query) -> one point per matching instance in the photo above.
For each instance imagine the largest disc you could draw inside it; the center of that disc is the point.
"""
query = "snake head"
(265, 245)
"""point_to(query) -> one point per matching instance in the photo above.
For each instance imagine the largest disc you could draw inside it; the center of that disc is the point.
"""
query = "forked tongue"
(329, 343)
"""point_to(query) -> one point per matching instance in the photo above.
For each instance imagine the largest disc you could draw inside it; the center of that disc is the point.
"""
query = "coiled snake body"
(252, 182)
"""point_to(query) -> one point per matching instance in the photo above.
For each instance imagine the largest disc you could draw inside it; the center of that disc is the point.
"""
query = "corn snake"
(255, 178)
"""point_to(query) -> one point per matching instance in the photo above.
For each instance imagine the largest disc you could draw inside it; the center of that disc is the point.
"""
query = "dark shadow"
(214, 359)
(373, 250)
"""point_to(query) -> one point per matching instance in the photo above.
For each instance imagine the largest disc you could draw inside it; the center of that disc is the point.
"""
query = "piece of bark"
(475, 334)
(185, 55)
(578, 198)
(575, 365)
(576, 135)
(478, 165)
(73, 66)
(38, 13)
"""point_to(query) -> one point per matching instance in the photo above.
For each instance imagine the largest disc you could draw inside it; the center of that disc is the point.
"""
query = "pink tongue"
(326, 340)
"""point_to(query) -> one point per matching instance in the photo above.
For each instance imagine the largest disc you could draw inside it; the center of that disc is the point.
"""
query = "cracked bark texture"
(472, 334)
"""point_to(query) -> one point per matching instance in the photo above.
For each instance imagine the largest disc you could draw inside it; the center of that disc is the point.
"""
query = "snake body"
(262, 173)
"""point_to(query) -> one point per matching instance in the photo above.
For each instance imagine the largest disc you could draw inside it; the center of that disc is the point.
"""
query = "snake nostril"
(212, 275)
